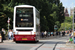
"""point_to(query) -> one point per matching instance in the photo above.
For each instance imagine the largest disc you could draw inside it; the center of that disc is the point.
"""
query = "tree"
(51, 11)
(67, 24)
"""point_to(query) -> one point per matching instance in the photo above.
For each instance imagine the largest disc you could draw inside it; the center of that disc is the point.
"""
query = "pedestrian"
(9, 34)
(73, 36)
(45, 33)
(1, 32)
(62, 33)
(70, 37)
(51, 33)
(42, 34)
(12, 35)
(0, 37)
(56, 33)
(59, 33)
(48, 34)
(4, 32)
(68, 32)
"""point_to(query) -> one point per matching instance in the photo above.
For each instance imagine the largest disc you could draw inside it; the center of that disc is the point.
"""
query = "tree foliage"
(67, 24)
(51, 12)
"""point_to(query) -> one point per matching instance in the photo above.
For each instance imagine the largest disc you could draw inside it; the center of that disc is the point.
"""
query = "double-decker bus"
(26, 24)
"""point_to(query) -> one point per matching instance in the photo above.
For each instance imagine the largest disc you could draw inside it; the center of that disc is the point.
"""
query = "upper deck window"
(24, 17)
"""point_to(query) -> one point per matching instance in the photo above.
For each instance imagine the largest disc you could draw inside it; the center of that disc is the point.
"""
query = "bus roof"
(24, 6)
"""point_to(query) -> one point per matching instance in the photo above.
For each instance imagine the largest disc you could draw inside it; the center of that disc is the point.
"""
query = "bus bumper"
(25, 38)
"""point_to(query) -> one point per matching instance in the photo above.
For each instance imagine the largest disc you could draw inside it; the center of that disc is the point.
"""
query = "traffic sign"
(8, 21)
(55, 27)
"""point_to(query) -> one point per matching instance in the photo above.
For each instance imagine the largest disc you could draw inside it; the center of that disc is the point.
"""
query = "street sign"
(8, 21)
(55, 27)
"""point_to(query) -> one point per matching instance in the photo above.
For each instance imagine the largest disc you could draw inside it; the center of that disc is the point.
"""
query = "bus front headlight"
(15, 33)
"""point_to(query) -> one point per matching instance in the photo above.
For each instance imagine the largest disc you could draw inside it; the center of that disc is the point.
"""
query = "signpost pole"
(8, 21)
(55, 27)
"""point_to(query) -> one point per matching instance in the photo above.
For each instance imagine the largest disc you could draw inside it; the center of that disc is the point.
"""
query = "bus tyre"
(36, 41)
(17, 41)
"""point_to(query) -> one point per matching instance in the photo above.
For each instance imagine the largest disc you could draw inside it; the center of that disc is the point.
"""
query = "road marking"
(40, 45)
(55, 45)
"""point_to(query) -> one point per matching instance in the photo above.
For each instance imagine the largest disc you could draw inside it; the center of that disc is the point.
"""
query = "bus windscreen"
(24, 17)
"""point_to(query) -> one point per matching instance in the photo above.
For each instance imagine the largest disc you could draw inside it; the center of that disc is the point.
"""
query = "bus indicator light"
(21, 19)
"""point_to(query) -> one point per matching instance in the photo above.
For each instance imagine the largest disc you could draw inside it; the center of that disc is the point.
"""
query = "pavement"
(67, 46)
(50, 37)
(5, 41)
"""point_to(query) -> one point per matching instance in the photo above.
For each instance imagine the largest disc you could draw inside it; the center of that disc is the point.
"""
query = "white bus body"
(26, 23)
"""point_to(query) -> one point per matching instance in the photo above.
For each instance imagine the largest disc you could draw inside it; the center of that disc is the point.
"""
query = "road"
(51, 43)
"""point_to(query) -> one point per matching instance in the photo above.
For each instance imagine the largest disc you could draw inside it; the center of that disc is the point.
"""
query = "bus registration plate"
(24, 38)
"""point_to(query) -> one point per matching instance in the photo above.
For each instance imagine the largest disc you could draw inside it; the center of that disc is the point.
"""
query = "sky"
(68, 4)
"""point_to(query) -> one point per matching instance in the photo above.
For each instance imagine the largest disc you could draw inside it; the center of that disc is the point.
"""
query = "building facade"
(71, 12)
(66, 12)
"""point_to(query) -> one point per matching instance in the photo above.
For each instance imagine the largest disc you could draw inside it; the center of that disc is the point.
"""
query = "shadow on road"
(46, 42)
(5, 49)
